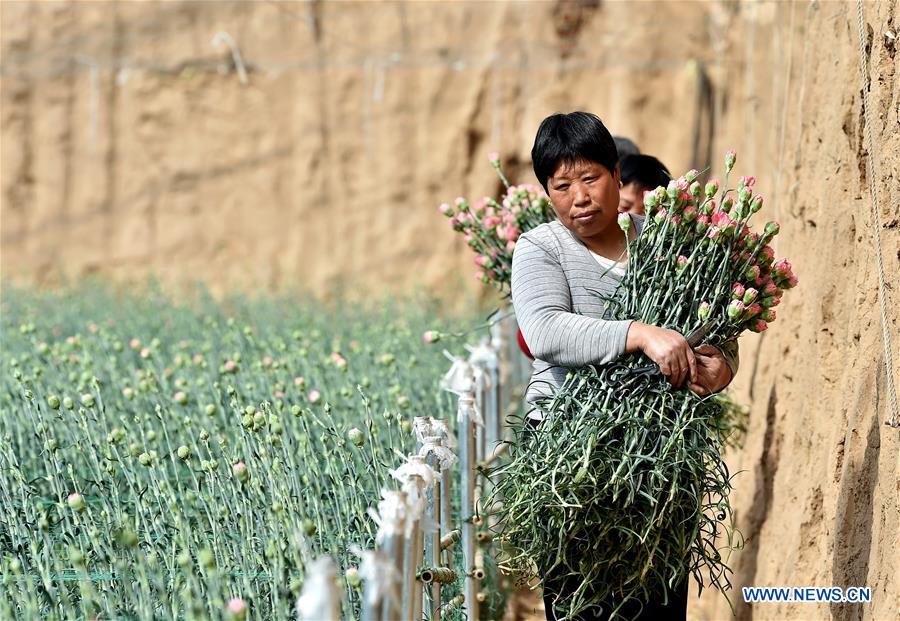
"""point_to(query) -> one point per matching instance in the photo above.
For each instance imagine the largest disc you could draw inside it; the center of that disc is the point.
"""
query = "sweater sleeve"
(543, 305)
(729, 349)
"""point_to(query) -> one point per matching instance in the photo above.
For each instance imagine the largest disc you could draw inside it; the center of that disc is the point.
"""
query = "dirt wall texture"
(132, 144)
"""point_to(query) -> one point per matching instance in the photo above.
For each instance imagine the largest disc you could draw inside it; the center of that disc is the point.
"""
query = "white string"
(390, 515)
(871, 167)
(318, 601)
(379, 573)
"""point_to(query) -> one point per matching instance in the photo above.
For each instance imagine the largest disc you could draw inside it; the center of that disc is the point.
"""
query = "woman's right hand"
(667, 348)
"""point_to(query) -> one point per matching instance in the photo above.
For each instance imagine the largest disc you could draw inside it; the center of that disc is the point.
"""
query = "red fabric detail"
(523, 345)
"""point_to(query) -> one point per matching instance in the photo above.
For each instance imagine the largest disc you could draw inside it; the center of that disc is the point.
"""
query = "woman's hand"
(713, 373)
(667, 348)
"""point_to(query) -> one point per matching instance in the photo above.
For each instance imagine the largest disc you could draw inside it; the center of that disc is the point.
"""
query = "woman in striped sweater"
(562, 269)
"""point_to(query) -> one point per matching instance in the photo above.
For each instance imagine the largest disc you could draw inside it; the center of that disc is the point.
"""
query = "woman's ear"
(617, 175)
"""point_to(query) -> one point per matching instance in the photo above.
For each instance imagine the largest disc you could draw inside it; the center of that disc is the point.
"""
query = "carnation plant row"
(164, 460)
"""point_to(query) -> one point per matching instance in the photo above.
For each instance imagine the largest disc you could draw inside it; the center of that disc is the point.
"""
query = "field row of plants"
(189, 460)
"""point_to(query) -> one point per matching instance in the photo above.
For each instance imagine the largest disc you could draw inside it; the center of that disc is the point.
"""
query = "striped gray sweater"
(555, 287)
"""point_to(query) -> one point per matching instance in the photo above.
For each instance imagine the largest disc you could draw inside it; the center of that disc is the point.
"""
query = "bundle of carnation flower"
(624, 481)
(492, 228)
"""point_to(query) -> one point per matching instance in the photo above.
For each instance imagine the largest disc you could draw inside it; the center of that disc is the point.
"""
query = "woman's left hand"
(713, 373)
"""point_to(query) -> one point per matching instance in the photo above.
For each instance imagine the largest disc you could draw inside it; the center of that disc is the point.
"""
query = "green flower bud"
(240, 472)
(356, 437)
(207, 559)
(76, 502)
(352, 577)
(53, 402)
(309, 527)
(183, 452)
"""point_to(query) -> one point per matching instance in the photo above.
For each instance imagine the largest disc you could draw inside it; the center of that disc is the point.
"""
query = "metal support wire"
(871, 169)
(467, 492)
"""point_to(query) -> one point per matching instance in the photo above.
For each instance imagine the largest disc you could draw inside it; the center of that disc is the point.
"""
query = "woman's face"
(631, 199)
(585, 196)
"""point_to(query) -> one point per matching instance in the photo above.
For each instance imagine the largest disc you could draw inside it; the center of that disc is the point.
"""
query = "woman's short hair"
(568, 138)
(643, 170)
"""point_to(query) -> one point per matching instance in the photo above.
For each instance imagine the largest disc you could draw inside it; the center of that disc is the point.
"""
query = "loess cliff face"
(131, 147)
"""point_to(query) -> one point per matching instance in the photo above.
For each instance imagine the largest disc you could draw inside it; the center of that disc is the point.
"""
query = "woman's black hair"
(568, 138)
(644, 170)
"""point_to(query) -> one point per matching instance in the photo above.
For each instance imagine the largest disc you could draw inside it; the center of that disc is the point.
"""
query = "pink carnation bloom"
(748, 181)
(783, 266)
(721, 219)
(229, 365)
(738, 290)
(237, 608)
(480, 260)
(134, 343)
(510, 245)
(759, 326)
(314, 396)
(299, 381)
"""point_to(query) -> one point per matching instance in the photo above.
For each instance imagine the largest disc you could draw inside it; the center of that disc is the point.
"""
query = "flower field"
(164, 460)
